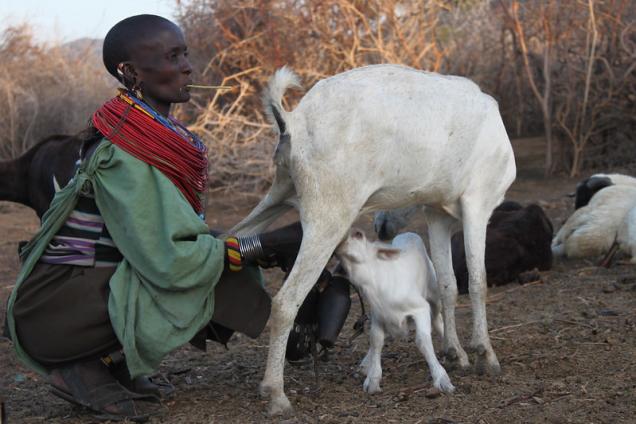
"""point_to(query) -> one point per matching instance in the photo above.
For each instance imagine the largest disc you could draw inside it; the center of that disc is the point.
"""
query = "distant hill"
(86, 49)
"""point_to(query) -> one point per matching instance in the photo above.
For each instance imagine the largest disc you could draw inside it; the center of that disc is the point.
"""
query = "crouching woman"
(124, 269)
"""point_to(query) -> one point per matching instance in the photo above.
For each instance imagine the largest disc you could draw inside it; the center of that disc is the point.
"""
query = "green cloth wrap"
(162, 293)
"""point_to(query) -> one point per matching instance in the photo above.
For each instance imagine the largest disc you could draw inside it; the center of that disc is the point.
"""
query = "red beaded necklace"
(166, 145)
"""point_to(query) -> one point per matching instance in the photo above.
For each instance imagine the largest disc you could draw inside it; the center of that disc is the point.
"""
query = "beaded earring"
(137, 90)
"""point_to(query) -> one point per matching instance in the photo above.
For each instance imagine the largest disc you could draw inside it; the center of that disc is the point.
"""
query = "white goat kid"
(382, 137)
(399, 283)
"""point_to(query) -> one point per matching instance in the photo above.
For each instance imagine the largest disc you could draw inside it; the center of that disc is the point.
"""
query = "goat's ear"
(387, 254)
(357, 234)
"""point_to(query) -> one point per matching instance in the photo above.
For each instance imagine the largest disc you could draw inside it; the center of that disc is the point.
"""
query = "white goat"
(382, 137)
(592, 230)
(399, 283)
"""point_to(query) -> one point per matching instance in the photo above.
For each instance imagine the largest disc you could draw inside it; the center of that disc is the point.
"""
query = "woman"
(124, 269)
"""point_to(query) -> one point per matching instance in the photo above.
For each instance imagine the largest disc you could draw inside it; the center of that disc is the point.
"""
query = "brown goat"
(29, 179)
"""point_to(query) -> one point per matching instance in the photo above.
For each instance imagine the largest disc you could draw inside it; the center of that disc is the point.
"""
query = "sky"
(66, 20)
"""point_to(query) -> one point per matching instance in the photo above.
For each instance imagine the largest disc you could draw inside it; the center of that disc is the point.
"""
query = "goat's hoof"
(443, 384)
(280, 406)
(486, 361)
(456, 360)
(371, 386)
(265, 390)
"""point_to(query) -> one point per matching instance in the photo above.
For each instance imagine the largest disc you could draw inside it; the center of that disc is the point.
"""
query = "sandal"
(157, 385)
(90, 385)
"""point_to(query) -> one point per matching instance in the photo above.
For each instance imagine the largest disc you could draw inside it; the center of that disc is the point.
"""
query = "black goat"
(31, 178)
(517, 240)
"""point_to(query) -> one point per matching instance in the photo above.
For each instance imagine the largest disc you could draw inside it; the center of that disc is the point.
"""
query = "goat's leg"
(424, 342)
(475, 218)
(364, 364)
(436, 318)
(440, 226)
(320, 238)
(270, 207)
(374, 371)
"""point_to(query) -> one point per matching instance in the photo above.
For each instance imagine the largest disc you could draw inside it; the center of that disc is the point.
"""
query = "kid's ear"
(386, 254)
(357, 234)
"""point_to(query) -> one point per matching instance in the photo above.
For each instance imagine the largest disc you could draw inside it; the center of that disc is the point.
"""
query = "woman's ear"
(127, 74)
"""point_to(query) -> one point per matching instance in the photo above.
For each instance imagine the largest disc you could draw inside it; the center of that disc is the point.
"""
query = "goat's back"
(384, 127)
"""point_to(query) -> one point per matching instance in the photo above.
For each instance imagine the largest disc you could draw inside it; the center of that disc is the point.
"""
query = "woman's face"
(160, 67)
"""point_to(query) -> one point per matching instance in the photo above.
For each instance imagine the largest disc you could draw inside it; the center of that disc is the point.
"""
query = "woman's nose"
(186, 67)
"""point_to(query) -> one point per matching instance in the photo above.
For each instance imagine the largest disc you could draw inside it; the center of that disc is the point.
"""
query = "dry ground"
(566, 344)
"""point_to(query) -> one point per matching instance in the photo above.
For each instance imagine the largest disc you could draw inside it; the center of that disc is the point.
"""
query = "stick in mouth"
(211, 87)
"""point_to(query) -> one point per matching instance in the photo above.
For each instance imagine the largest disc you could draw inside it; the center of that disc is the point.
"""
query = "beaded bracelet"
(232, 248)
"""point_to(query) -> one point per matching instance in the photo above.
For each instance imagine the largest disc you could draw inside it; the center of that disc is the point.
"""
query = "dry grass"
(44, 89)
(239, 144)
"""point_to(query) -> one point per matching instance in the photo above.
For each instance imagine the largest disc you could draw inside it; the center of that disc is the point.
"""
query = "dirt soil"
(566, 343)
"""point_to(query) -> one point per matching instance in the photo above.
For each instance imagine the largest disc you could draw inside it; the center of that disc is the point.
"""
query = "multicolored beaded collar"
(162, 142)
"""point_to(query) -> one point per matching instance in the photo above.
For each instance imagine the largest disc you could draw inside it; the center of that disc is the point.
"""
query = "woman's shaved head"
(126, 35)
(148, 54)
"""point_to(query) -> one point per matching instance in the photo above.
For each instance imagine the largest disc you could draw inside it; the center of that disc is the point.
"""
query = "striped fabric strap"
(233, 254)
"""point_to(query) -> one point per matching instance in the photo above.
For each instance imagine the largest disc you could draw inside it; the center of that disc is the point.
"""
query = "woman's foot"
(156, 385)
(90, 384)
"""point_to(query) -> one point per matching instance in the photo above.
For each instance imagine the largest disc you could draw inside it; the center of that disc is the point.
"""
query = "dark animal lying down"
(517, 240)
(31, 178)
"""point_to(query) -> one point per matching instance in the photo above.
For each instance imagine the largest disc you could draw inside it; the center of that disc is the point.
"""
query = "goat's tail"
(273, 96)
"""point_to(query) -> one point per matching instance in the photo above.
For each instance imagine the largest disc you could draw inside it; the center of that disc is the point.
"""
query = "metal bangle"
(251, 248)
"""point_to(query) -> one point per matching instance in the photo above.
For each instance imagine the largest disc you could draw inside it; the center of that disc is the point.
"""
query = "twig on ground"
(518, 398)
(575, 323)
(507, 327)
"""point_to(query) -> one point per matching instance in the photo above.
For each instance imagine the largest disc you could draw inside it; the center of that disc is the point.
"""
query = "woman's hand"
(281, 246)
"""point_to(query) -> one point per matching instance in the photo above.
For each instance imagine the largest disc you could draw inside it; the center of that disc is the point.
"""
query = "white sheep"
(592, 229)
(399, 283)
(382, 137)
(586, 188)
(625, 240)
